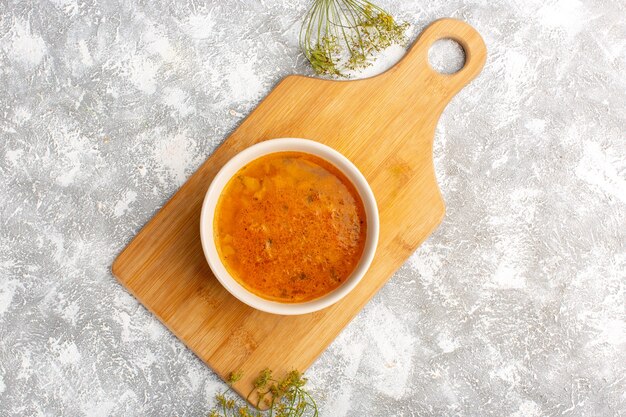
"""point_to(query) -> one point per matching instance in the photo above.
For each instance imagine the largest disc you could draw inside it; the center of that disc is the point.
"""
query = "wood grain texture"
(385, 126)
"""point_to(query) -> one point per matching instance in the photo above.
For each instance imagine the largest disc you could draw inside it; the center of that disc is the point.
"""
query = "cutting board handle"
(473, 45)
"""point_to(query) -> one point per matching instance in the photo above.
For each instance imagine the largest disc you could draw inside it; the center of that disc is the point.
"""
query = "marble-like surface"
(514, 307)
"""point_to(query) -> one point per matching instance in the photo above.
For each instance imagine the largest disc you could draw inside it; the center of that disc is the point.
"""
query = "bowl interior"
(282, 145)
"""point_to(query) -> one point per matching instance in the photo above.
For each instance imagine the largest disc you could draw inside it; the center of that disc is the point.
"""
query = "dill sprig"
(284, 397)
(344, 35)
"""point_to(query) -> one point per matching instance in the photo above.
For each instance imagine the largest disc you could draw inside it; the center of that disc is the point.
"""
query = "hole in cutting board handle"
(446, 56)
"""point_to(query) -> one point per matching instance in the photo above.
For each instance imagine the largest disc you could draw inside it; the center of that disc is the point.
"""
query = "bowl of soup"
(289, 226)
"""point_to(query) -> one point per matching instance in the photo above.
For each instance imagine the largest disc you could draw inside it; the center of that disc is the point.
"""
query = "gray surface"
(514, 307)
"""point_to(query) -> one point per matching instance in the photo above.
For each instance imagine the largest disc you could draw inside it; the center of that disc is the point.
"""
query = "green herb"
(285, 397)
(343, 35)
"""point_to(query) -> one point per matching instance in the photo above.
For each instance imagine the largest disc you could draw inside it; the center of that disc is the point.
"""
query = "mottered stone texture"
(515, 306)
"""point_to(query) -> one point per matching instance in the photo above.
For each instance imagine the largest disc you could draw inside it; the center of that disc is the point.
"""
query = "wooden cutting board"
(385, 126)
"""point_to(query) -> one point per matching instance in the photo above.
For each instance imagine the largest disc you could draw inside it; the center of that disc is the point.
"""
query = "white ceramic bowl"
(282, 145)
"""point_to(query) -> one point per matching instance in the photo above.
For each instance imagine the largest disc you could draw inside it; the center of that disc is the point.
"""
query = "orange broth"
(290, 227)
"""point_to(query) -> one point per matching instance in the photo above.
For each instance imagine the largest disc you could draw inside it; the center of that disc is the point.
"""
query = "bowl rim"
(251, 153)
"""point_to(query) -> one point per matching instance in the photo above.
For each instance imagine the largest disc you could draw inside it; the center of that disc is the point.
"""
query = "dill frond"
(286, 397)
(338, 36)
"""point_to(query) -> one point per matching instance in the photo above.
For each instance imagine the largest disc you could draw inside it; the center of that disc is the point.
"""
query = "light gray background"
(513, 307)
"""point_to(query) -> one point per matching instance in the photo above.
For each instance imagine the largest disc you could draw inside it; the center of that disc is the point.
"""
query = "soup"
(290, 227)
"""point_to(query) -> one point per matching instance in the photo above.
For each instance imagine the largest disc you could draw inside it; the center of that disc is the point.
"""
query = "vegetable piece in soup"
(290, 227)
